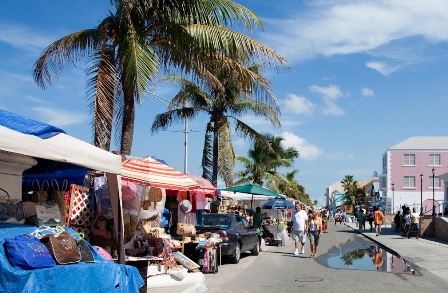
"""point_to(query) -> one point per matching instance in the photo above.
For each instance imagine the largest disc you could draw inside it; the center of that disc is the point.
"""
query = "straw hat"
(185, 206)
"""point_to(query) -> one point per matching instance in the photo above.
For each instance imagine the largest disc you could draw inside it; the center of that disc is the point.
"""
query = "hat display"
(185, 206)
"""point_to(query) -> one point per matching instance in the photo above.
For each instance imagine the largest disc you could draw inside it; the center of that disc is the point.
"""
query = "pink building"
(407, 176)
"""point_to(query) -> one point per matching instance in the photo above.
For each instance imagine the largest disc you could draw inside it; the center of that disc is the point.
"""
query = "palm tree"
(132, 46)
(263, 160)
(350, 186)
(224, 99)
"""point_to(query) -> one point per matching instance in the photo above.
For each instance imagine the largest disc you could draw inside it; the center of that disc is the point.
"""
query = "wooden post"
(183, 234)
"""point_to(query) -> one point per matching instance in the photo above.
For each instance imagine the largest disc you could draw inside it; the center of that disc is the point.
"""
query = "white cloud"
(366, 92)
(307, 151)
(330, 95)
(23, 37)
(327, 27)
(58, 117)
(382, 67)
(298, 105)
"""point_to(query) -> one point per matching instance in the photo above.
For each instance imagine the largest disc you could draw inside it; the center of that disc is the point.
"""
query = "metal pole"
(433, 203)
(421, 194)
(393, 198)
(186, 147)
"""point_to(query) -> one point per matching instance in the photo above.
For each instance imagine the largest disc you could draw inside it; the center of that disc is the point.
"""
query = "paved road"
(277, 269)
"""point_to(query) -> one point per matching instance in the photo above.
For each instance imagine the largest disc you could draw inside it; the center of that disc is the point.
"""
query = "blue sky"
(364, 76)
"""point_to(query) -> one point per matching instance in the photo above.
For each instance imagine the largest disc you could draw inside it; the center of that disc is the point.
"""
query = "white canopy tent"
(64, 148)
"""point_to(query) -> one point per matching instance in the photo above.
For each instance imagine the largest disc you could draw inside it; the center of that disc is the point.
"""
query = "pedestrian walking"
(415, 224)
(397, 221)
(369, 217)
(299, 219)
(407, 220)
(325, 219)
(314, 231)
(378, 220)
(361, 220)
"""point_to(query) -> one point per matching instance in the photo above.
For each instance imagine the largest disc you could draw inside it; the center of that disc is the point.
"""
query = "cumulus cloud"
(327, 28)
(298, 105)
(330, 95)
(366, 92)
(59, 117)
(307, 151)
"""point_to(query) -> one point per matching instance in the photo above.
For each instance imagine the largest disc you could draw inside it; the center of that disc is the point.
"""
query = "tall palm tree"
(350, 186)
(142, 38)
(263, 160)
(224, 98)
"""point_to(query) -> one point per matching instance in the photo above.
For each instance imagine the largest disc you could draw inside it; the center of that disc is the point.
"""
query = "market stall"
(25, 142)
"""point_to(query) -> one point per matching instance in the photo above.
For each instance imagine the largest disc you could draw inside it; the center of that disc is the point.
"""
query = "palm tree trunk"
(215, 156)
(127, 132)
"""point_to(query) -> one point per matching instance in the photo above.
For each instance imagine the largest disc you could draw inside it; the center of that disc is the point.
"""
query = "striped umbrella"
(156, 174)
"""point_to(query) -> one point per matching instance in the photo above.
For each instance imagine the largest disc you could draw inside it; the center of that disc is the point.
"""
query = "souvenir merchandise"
(11, 211)
(84, 250)
(62, 247)
(48, 214)
(185, 261)
(59, 194)
(28, 253)
(80, 209)
(40, 193)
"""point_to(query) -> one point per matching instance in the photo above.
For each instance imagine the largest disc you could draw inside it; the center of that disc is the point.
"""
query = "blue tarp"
(27, 125)
(101, 276)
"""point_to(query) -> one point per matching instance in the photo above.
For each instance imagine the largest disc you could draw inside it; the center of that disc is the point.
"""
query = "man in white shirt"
(299, 218)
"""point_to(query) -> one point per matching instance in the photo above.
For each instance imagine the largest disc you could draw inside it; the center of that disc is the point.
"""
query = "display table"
(101, 276)
(279, 233)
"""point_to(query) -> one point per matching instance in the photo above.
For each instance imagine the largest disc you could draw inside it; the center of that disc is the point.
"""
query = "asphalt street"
(277, 269)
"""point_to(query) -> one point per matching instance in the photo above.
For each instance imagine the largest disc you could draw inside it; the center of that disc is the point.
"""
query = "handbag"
(11, 211)
(62, 247)
(59, 194)
(186, 229)
(40, 194)
(84, 249)
(28, 253)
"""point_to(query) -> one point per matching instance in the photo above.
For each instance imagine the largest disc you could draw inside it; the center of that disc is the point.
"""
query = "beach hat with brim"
(185, 206)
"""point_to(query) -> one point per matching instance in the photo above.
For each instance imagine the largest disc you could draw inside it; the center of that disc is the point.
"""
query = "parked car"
(236, 234)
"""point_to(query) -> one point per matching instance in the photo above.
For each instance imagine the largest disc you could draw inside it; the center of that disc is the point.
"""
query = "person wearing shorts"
(299, 218)
(314, 230)
(378, 220)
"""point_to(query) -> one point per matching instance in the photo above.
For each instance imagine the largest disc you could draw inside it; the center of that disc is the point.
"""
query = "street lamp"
(433, 203)
(421, 195)
(393, 198)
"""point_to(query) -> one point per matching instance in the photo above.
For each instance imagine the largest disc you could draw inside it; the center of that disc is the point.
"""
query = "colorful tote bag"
(28, 253)
(63, 248)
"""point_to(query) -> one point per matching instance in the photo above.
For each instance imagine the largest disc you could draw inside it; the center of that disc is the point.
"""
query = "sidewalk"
(429, 254)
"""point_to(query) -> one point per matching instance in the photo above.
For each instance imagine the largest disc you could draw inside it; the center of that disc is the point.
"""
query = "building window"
(434, 160)
(409, 182)
(409, 160)
(436, 182)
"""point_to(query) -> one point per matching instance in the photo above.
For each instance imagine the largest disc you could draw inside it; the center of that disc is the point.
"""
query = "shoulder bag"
(63, 248)
(28, 253)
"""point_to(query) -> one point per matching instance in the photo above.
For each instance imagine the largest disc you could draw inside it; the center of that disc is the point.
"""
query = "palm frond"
(68, 49)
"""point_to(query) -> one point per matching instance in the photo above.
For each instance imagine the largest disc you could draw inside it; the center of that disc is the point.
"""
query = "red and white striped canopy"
(205, 186)
(156, 174)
